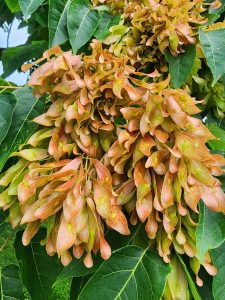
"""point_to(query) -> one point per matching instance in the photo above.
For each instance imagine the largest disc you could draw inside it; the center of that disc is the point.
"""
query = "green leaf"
(103, 8)
(4, 84)
(218, 286)
(210, 118)
(106, 21)
(212, 18)
(82, 27)
(13, 58)
(29, 6)
(141, 238)
(210, 232)
(7, 251)
(3, 214)
(205, 291)
(5, 14)
(7, 104)
(131, 273)
(38, 270)
(11, 287)
(213, 46)
(180, 67)
(62, 290)
(13, 5)
(116, 241)
(191, 283)
(2, 228)
(220, 134)
(77, 285)
(77, 269)
(57, 20)
(22, 127)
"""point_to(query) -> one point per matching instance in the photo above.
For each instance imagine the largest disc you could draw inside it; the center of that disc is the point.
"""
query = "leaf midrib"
(42, 287)
(31, 2)
(88, 11)
(128, 279)
(1, 287)
(213, 57)
(1, 283)
(60, 19)
(29, 6)
(13, 143)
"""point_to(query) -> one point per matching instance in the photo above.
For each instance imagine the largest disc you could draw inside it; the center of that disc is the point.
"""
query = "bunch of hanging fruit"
(118, 144)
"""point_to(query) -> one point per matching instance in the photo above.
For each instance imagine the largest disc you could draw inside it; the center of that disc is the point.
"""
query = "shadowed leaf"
(131, 273)
(180, 67)
(218, 286)
(38, 270)
(7, 104)
(10, 283)
(210, 232)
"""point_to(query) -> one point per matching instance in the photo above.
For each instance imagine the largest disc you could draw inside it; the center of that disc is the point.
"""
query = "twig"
(8, 35)
(10, 87)
(8, 239)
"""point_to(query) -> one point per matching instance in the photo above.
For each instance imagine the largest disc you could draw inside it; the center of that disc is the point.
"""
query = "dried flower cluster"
(159, 24)
(116, 144)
